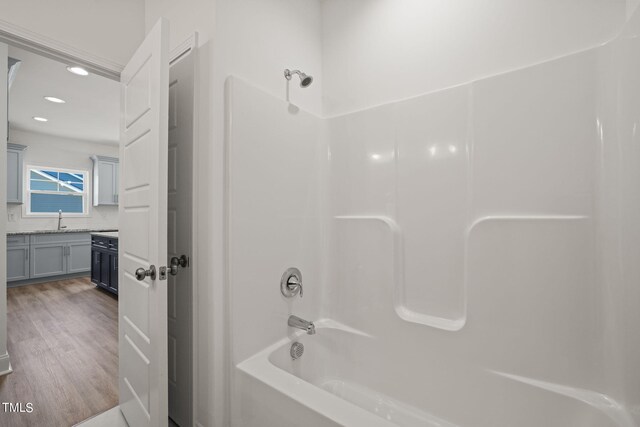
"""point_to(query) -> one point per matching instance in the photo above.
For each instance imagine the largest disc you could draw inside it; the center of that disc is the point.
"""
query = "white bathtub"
(325, 383)
(348, 378)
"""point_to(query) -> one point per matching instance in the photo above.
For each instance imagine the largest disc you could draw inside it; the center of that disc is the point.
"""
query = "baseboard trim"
(47, 279)
(5, 365)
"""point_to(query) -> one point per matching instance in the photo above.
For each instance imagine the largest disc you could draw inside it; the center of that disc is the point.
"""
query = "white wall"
(492, 195)
(47, 150)
(109, 29)
(4, 356)
(631, 7)
(185, 17)
(377, 51)
(258, 39)
(618, 209)
(275, 222)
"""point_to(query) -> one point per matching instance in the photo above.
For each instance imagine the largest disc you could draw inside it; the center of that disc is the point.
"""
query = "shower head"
(305, 80)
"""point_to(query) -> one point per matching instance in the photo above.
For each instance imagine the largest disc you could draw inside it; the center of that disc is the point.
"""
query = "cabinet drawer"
(99, 241)
(60, 237)
(17, 239)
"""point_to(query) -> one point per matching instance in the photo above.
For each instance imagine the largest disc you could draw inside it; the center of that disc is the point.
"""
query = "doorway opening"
(62, 323)
(63, 312)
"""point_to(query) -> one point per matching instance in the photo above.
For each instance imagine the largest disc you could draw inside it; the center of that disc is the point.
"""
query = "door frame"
(17, 36)
(14, 35)
(190, 47)
(5, 361)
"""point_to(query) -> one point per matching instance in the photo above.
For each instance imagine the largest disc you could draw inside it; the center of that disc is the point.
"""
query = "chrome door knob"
(176, 262)
(141, 273)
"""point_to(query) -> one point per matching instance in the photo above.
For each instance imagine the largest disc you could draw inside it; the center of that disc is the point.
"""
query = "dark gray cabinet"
(105, 271)
(113, 272)
(96, 261)
(104, 262)
(106, 178)
(15, 154)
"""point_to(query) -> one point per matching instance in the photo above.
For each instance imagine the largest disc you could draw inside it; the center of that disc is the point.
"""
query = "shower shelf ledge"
(398, 273)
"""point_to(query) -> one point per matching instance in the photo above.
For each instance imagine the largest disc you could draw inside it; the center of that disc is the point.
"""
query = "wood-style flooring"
(63, 344)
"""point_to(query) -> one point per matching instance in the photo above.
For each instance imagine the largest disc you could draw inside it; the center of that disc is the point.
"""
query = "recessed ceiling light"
(78, 70)
(55, 100)
(40, 119)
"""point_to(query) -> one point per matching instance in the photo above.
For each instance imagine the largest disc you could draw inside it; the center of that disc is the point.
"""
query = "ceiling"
(92, 109)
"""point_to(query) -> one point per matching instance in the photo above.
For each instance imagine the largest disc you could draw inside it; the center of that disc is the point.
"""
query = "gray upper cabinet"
(15, 154)
(106, 179)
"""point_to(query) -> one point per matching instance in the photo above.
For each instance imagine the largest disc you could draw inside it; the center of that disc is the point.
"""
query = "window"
(52, 190)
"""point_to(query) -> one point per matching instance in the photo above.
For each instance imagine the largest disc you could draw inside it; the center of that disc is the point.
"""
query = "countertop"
(111, 235)
(64, 230)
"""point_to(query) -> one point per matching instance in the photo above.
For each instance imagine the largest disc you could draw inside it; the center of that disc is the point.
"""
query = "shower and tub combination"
(469, 254)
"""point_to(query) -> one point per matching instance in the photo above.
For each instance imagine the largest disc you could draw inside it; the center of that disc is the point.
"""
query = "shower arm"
(289, 73)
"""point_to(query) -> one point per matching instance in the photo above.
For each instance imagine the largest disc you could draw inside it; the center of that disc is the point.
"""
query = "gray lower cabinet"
(58, 254)
(48, 260)
(17, 263)
(17, 257)
(79, 257)
(47, 255)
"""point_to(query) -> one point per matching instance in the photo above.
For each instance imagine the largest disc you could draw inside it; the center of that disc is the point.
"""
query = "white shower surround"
(494, 273)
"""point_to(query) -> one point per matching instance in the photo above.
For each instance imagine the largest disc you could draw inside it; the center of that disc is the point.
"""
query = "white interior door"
(181, 133)
(143, 232)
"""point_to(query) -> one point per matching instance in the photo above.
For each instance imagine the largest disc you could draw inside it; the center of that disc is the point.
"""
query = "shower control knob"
(291, 283)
